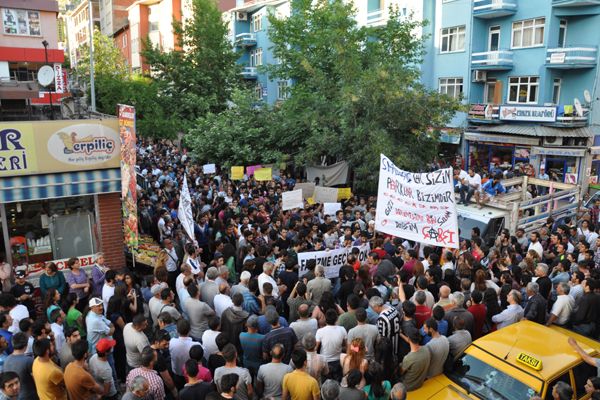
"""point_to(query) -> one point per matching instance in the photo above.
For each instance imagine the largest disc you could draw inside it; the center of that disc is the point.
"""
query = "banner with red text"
(126, 116)
(417, 206)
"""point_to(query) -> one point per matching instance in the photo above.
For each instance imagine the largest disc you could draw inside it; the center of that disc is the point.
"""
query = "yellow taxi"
(518, 362)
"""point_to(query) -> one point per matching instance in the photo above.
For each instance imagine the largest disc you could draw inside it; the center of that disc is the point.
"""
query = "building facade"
(113, 15)
(78, 28)
(28, 41)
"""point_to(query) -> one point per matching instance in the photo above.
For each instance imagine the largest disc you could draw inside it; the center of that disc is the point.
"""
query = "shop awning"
(493, 138)
(37, 187)
(537, 130)
(558, 151)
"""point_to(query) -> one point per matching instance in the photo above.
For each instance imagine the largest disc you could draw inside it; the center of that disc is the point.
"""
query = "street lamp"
(45, 44)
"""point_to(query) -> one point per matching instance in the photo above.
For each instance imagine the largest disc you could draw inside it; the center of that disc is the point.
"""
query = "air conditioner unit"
(553, 141)
(479, 76)
(242, 16)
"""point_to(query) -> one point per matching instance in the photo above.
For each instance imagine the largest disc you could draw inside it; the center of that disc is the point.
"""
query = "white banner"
(419, 207)
(291, 200)
(331, 260)
(184, 213)
(209, 168)
(325, 195)
(331, 208)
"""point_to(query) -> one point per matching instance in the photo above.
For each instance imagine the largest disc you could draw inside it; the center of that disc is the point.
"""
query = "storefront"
(60, 192)
(484, 150)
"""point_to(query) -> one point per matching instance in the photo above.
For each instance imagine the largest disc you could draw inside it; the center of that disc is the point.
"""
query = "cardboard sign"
(308, 189)
(325, 195)
(263, 174)
(237, 173)
(250, 169)
(331, 208)
(344, 193)
(292, 199)
(209, 168)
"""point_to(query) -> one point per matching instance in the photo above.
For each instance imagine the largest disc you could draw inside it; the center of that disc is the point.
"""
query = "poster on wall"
(128, 177)
(21, 22)
(419, 207)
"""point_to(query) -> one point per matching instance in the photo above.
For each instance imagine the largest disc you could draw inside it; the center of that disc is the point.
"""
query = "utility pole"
(45, 44)
(91, 35)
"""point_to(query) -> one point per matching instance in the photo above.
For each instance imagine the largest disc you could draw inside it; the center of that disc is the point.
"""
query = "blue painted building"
(527, 69)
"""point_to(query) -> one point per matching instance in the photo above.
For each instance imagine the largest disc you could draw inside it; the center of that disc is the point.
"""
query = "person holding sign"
(490, 189)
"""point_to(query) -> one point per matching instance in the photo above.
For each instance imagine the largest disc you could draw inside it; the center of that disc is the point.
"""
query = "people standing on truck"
(489, 189)
(460, 179)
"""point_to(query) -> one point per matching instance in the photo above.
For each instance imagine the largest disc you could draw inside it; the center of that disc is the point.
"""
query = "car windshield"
(486, 382)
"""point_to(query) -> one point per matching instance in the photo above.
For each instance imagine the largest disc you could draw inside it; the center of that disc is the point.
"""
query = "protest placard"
(250, 169)
(237, 173)
(263, 174)
(344, 193)
(331, 208)
(419, 207)
(292, 199)
(325, 194)
(308, 189)
(331, 260)
(209, 168)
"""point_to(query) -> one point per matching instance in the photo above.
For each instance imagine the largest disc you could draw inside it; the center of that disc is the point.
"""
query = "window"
(528, 33)
(256, 57)
(562, 33)
(283, 90)
(490, 91)
(125, 40)
(452, 87)
(453, 39)
(259, 91)
(21, 22)
(556, 90)
(153, 26)
(523, 89)
(257, 23)
(494, 39)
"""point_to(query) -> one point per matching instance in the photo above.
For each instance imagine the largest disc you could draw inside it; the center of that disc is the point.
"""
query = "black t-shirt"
(215, 361)
(289, 279)
(161, 363)
(216, 396)
(197, 391)
(19, 290)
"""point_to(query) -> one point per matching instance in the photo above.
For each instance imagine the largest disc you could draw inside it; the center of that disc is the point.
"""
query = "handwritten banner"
(331, 260)
(237, 173)
(263, 174)
(291, 200)
(325, 194)
(419, 207)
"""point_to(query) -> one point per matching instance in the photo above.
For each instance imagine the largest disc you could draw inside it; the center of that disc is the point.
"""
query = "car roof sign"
(530, 361)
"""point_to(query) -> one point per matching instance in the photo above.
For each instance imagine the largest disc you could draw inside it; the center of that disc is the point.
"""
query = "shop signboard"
(528, 113)
(34, 271)
(481, 111)
(40, 147)
(128, 177)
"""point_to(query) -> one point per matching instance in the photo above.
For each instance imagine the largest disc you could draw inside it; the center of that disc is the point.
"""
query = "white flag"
(184, 213)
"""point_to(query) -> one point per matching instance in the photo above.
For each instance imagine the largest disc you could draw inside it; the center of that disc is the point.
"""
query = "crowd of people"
(228, 314)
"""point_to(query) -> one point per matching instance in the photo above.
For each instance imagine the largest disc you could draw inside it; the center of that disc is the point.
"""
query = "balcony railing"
(494, 8)
(245, 40)
(377, 17)
(492, 60)
(249, 72)
(575, 3)
(572, 57)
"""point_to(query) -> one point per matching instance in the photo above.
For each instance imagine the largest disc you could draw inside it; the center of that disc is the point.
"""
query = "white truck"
(515, 209)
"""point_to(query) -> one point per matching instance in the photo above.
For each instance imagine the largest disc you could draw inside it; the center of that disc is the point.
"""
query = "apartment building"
(78, 27)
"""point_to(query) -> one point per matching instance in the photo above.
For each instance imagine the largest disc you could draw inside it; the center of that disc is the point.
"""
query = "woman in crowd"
(52, 278)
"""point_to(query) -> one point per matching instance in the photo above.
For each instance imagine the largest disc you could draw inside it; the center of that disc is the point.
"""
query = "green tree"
(242, 134)
(196, 77)
(356, 90)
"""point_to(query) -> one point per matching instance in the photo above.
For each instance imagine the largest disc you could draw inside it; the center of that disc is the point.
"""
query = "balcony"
(575, 3)
(501, 60)
(488, 9)
(249, 73)
(572, 57)
(245, 40)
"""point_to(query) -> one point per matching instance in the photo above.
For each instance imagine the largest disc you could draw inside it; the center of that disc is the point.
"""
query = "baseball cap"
(104, 345)
(94, 301)
(20, 273)
(156, 289)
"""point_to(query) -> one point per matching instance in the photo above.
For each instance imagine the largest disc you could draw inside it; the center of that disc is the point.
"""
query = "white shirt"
(194, 265)
(222, 302)
(59, 336)
(474, 181)
(331, 338)
(462, 175)
(18, 313)
(135, 342)
(107, 293)
(210, 345)
(172, 258)
(262, 279)
(512, 314)
(179, 282)
(537, 246)
(562, 308)
(180, 352)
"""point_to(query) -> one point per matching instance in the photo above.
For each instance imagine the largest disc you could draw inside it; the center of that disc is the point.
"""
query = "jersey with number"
(388, 325)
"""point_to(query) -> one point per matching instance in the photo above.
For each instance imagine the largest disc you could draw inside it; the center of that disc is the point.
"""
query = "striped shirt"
(388, 325)
(157, 389)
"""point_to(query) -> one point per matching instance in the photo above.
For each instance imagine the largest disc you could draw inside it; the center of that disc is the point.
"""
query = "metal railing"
(249, 72)
(484, 6)
(245, 39)
(572, 55)
(492, 58)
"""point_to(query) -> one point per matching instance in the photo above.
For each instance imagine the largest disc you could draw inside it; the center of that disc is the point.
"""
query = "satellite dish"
(45, 75)
(578, 107)
(587, 96)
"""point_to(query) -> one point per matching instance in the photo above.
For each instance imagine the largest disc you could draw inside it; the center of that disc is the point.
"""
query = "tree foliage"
(356, 90)
(239, 135)
(196, 77)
